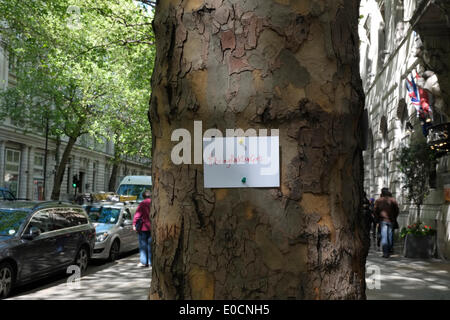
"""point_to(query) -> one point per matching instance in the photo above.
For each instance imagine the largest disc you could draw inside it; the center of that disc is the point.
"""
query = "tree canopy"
(85, 65)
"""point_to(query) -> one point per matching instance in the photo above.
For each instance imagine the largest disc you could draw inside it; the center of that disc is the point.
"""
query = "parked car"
(114, 229)
(41, 238)
(6, 195)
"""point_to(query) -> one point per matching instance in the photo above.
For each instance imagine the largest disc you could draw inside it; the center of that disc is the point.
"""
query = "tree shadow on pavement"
(407, 279)
(119, 280)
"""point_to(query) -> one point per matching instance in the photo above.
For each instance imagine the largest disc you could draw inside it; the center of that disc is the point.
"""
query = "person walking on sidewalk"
(386, 212)
(368, 218)
(373, 225)
(141, 224)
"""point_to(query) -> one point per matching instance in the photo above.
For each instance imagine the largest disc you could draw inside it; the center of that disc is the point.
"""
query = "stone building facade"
(400, 39)
(22, 158)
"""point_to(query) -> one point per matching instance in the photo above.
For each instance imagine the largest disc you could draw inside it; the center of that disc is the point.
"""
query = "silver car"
(114, 229)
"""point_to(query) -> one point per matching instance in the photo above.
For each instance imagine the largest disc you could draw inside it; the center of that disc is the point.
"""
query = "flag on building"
(413, 93)
(420, 100)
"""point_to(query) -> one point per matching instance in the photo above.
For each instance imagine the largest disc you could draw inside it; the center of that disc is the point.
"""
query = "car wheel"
(114, 251)
(82, 259)
(6, 279)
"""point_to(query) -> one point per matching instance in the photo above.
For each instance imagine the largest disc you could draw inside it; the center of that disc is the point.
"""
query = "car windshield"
(93, 212)
(107, 215)
(10, 221)
(133, 190)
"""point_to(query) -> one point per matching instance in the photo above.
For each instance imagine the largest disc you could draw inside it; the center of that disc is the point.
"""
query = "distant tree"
(76, 62)
(131, 135)
(416, 162)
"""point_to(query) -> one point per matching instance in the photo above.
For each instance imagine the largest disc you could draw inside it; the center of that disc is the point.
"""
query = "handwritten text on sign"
(241, 162)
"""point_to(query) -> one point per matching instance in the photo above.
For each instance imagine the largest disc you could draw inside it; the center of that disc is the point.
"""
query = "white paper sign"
(241, 162)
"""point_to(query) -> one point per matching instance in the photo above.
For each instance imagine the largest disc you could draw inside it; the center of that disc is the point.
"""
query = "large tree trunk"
(59, 175)
(283, 64)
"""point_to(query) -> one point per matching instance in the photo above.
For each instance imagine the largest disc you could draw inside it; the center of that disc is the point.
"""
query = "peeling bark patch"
(291, 95)
(201, 284)
(319, 204)
(199, 81)
(193, 5)
(271, 255)
(285, 74)
(220, 194)
(228, 40)
(315, 204)
(222, 14)
(249, 212)
(297, 258)
(237, 65)
(283, 2)
(191, 50)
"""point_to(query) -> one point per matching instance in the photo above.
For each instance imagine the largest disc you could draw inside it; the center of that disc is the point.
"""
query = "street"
(119, 280)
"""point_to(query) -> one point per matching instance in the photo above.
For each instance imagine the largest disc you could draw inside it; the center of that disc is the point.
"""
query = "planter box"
(422, 247)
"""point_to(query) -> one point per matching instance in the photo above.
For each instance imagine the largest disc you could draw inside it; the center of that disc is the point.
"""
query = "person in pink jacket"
(145, 238)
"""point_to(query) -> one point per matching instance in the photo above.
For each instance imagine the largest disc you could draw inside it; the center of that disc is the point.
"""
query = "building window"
(38, 177)
(432, 179)
(384, 127)
(106, 177)
(12, 170)
(402, 111)
(39, 165)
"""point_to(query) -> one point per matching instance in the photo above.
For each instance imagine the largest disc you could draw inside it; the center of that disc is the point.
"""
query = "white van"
(134, 186)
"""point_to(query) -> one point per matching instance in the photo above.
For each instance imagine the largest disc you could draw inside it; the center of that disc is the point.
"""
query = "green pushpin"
(244, 179)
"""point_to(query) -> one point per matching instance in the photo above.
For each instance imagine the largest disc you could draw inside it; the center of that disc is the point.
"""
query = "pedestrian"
(367, 213)
(141, 224)
(374, 222)
(386, 212)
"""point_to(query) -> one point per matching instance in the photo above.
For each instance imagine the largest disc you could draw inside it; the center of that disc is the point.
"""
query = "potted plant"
(416, 163)
(419, 241)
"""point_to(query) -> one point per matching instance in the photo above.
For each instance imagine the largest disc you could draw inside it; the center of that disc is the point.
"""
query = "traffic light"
(75, 181)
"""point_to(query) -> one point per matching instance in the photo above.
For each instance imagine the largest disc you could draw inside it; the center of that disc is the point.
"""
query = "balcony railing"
(439, 138)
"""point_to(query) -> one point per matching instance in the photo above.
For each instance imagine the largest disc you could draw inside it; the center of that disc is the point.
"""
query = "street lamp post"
(45, 158)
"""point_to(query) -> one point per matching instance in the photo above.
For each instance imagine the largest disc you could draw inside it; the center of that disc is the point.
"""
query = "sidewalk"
(408, 279)
(119, 280)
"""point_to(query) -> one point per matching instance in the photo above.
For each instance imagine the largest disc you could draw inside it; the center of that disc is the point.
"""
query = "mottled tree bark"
(283, 64)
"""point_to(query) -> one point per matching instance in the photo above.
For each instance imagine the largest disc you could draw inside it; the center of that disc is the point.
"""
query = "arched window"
(384, 127)
(402, 111)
